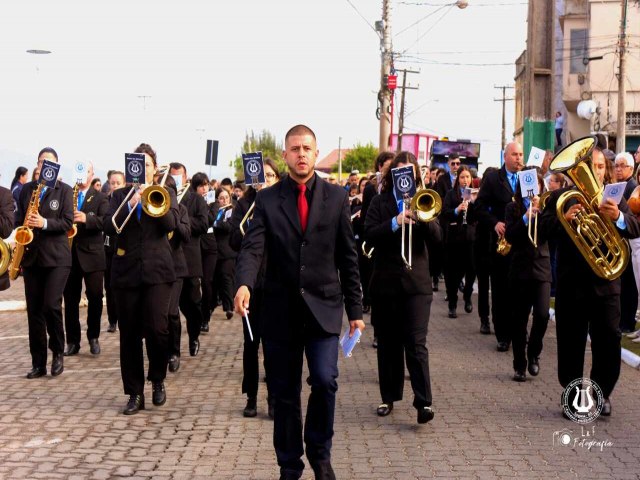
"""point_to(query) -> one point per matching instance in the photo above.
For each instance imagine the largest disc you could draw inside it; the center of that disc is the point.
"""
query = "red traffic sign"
(392, 82)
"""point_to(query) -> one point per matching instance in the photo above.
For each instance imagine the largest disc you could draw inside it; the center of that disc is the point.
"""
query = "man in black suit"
(304, 224)
(6, 227)
(497, 190)
(446, 181)
(115, 181)
(88, 263)
(191, 294)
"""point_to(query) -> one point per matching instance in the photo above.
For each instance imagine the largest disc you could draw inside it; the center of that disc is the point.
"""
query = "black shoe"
(57, 365)
(251, 409)
(322, 470)
(174, 363)
(111, 328)
(94, 346)
(452, 313)
(435, 286)
(468, 306)
(366, 308)
(375, 342)
(384, 409)
(204, 328)
(461, 287)
(519, 376)
(425, 414)
(534, 366)
(290, 476)
(229, 314)
(72, 349)
(606, 408)
(134, 405)
(37, 372)
(159, 393)
(270, 408)
(484, 327)
(502, 347)
(194, 347)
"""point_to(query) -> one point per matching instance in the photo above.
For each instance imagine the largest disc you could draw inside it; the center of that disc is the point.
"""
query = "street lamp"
(37, 51)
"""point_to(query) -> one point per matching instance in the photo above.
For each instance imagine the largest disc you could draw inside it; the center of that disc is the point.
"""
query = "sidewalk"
(486, 426)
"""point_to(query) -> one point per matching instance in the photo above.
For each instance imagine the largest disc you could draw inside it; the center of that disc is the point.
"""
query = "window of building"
(633, 120)
(578, 50)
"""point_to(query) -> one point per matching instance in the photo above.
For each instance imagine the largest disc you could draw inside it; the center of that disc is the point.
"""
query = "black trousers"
(72, 293)
(402, 324)
(209, 302)
(501, 305)
(283, 362)
(223, 284)
(250, 359)
(175, 326)
(112, 314)
(482, 270)
(459, 265)
(190, 305)
(578, 312)
(43, 287)
(528, 295)
(143, 313)
(628, 299)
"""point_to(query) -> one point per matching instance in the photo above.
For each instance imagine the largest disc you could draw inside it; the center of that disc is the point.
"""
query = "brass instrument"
(504, 247)
(595, 236)
(247, 217)
(426, 204)
(532, 231)
(182, 191)
(74, 228)
(5, 256)
(24, 233)
(367, 253)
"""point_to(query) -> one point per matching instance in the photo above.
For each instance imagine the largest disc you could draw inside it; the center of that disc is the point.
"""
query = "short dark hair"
(453, 156)
(48, 150)
(177, 166)
(114, 172)
(146, 148)
(199, 179)
(226, 181)
(300, 130)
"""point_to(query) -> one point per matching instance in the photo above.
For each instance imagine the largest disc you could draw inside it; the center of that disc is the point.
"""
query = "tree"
(360, 157)
(266, 143)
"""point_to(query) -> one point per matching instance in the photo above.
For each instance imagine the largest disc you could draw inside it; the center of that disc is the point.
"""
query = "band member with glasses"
(45, 266)
(142, 277)
(401, 297)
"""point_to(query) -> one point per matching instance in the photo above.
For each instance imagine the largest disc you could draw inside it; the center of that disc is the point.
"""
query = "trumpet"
(426, 204)
(246, 219)
(504, 247)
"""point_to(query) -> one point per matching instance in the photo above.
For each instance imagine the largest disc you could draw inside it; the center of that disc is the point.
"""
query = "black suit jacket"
(456, 231)
(89, 242)
(199, 220)
(6, 225)
(527, 262)
(443, 185)
(143, 254)
(495, 193)
(222, 229)
(181, 234)
(390, 276)
(321, 264)
(50, 247)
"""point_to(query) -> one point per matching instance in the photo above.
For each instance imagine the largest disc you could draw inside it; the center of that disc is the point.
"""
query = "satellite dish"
(587, 109)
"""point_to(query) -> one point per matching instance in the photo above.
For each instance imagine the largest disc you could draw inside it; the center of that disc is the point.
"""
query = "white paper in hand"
(536, 157)
(614, 191)
(528, 180)
(347, 344)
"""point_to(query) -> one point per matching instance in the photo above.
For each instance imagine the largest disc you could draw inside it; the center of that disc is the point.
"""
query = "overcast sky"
(218, 69)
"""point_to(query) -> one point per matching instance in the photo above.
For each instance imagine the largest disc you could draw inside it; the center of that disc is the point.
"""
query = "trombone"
(367, 253)
(426, 204)
(182, 191)
(532, 231)
(247, 218)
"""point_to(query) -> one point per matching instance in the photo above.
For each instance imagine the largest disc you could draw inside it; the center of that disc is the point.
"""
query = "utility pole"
(622, 90)
(504, 101)
(384, 95)
(401, 119)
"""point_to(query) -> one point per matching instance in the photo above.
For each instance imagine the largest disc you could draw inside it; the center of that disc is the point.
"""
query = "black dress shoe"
(425, 414)
(229, 314)
(174, 363)
(502, 346)
(134, 405)
(37, 372)
(484, 327)
(323, 470)
(57, 365)
(384, 409)
(251, 409)
(606, 408)
(468, 306)
(534, 366)
(519, 376)
(94, 346)
(375, 342)
(111, 328)
(72, 349)
(159, 394)
(290, 476)
(452, 313)
(204, 328)
(194, 347)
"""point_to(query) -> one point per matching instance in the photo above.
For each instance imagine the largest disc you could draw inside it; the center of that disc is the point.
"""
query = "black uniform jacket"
(390, 276)
(199, 220)
(181, 234)
(50, 247)
(573, 271)
(495, 193)
(320, 264)
(457, 231)
(6, 225)
(143, 254)
(527, 261)
(443, 185)
(89, 242)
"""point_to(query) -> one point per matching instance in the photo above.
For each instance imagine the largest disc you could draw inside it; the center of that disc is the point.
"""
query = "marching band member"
(530, 277)
(250, 370)
(46, 265)
(88, 263)
(116, 181)
(225, 264)
(142, 279)
(401, 297)
(458, 214)
(6, 227)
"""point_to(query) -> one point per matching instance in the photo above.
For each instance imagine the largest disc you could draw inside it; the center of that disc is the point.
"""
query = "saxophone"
(74, 228)
(24, 234)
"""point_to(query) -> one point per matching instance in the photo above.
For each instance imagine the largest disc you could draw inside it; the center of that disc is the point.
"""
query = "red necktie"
(303, 206)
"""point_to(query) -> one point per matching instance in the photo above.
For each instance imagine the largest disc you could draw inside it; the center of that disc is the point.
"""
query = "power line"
(429, 4)
(420, 20)
(363, 17)
(429, 29)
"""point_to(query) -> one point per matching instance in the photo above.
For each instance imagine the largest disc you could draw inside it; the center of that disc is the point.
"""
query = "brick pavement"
(486, 425)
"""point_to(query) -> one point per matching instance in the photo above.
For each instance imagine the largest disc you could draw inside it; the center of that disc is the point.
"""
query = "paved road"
(486, 426)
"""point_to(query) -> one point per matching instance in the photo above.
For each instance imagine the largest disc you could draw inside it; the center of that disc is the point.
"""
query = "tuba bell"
(595, 236)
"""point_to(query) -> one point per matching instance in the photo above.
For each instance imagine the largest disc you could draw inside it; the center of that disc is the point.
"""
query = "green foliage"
(266, 143)
(360, 157)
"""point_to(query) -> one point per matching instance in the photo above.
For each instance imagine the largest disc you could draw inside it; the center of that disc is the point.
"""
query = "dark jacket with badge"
(6, 225)
(178, 237)
(88, 244)
(50, 246)
(457, 231)
(199, 221)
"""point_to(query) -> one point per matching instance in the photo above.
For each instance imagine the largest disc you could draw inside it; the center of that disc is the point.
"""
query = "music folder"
(348, 344)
